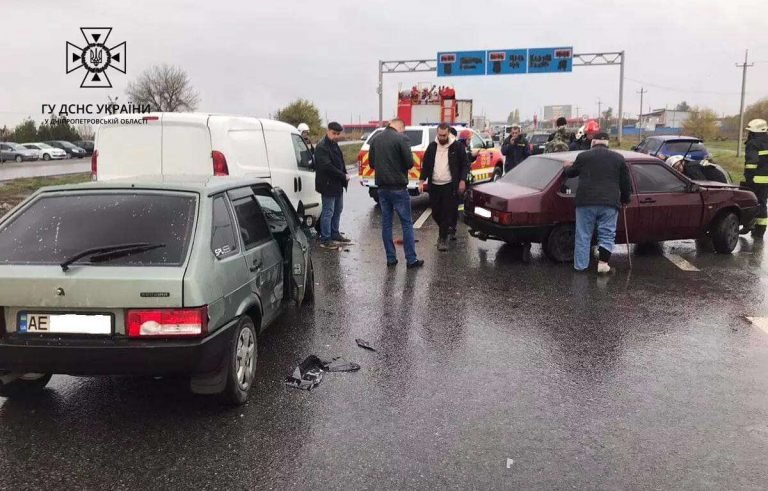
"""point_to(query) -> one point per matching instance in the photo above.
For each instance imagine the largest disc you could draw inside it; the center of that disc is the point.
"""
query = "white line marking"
(423, 218)
(759, 322)
(680, 262)
(509, 463)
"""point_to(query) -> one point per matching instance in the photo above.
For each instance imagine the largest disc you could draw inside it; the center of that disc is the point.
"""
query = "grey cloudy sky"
(252, 57)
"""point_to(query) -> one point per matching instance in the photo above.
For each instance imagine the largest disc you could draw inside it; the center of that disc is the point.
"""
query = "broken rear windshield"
(56, 227)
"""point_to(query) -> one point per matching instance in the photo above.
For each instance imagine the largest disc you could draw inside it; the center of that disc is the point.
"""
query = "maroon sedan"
(535, 203)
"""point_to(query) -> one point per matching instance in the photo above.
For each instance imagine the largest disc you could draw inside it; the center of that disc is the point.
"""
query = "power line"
(675, 89)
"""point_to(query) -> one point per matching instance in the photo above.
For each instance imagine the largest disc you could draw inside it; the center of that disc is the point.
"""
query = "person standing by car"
(304, 130)
(584, 137)
(445, 167)
(604, 187)
(391, 157)
(756, 170)
(559, 140)
(331, 180)
(515, 149)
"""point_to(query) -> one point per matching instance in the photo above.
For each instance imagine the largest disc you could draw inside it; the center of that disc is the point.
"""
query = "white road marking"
(509, 463)
(759, 322)
(680, 262)
(423, 218)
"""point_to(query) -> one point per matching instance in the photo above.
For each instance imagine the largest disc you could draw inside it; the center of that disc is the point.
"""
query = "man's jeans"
(330, 217)
(587, 217)
(400, 202)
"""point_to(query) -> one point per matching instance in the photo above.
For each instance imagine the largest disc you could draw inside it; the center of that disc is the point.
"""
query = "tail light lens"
(507, 218)
(220, 167)
(167, 323)
(94, 164)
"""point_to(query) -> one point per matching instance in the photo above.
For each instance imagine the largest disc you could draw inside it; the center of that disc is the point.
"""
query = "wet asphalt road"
(490, 374)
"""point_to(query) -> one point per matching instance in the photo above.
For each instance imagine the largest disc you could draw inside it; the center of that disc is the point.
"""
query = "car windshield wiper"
(107, 251)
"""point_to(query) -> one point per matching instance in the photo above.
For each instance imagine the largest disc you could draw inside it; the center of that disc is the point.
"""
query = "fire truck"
(421, 118)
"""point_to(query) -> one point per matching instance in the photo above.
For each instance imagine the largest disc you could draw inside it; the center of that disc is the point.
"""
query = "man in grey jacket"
(391, 158)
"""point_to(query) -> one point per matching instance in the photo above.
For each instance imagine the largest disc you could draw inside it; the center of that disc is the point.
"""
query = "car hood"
(715, 184)
(86, 286)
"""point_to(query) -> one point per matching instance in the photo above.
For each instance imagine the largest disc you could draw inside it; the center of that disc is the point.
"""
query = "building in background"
(553, 112)
(663, 118)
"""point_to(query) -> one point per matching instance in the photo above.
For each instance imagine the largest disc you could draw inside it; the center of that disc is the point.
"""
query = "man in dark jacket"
(445, 167)
(330, 181)
(604, 187)
(515, 149)
(391, 158)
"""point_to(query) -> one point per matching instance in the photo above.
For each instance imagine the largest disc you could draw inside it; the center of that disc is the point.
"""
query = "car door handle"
(647, 200)
(300, 186)
(256, 266)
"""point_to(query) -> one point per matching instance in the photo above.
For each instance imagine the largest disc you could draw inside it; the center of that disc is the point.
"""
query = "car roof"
(571, 156)
(674, 137)
(194, 183)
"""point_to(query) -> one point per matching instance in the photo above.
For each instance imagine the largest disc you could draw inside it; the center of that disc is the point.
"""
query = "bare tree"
(165, 88)
(86, 132)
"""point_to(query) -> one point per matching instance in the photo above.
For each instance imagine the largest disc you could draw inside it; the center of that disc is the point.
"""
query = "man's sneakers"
(392, 264)
(603, 268)
(329, 245)
(451, 233)
(342, 240)
(442, 245)
(416, 264)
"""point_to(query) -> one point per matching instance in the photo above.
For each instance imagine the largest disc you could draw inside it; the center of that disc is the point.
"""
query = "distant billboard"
(554, 112)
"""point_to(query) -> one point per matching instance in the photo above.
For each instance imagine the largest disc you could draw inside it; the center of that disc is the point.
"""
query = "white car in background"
(45, 151)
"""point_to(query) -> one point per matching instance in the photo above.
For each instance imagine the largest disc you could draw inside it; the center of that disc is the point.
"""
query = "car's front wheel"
(19, 159)
(725, 233)
(242, 362)
(46, 156)
(559, 244)
(498, 173)
(309, 288)
(28, 384)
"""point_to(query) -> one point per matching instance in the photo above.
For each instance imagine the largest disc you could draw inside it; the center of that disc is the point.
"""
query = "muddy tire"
(559, 244)
(498, 173)
(241, 363)
(725, 233)
(309, 288)
(28, 385)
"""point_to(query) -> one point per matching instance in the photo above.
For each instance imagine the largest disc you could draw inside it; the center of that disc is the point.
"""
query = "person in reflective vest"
(756, 170)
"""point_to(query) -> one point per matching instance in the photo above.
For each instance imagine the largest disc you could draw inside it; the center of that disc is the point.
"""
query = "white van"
(209, 144)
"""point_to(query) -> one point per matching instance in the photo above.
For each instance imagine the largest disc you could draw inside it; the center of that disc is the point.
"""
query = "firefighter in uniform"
(756, 170)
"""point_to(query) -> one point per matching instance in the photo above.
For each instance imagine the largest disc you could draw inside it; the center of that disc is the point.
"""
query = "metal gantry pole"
(381, 92)
(621, 97)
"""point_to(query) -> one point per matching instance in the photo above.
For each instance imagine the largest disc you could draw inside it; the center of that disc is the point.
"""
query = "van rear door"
(127, 150)
(186, 144)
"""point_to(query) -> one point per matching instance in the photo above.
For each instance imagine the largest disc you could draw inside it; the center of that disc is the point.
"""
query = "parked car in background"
(535, 203)
(45, 151)
(664, 147)
(85, 145)
(156, 276)
(19, 153)
(537, 142)
(73, 151)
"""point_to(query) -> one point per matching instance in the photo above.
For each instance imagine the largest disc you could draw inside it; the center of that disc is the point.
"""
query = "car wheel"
(46, 156)
(725, 233)
(29, 384)
(309, 288)
(242, 363)
(559, 244)
(374, 193)
(498, 173)
(19, 159)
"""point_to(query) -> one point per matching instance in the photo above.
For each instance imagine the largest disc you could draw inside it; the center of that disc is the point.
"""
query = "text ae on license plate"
(47, 323)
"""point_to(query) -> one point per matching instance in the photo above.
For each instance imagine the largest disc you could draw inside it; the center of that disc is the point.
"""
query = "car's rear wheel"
(46, 156)
(559, 244)
(242, 362)
(309, 288)
(498, 173)
(725, 233)
(28, 384)
(19, 159)
(374, 193)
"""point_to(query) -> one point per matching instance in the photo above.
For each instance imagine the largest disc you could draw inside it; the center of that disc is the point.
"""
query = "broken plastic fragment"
(307, 375)
(364, 344)
(340, 365)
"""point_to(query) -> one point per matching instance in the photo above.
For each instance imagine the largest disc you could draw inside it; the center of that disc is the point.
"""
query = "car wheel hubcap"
(733, 231)
(245, 358)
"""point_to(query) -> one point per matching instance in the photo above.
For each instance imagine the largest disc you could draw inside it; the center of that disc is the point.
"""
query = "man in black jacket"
(445, 167)
(604, 187)
(391, 158)
(330, 181)
(515, 149)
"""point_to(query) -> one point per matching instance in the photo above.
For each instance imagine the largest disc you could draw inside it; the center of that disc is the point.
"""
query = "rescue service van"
(209, 144)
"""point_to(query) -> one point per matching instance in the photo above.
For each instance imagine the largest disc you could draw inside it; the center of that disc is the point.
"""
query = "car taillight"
(220, 167)
(506, 218)
(164, 323)
(94, 164)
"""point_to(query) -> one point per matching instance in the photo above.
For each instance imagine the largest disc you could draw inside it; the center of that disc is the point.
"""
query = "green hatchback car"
(152, 276)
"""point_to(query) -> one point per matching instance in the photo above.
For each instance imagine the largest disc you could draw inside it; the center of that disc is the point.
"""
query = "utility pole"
(599, 112)
(640, 115)
(744, 67)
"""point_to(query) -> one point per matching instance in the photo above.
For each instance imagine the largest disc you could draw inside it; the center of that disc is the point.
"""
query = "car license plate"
(482, 212)
(38, 323)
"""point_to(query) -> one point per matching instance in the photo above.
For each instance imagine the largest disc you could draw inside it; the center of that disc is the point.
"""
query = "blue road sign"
(460, 63)
(550, 60)
(506, 61)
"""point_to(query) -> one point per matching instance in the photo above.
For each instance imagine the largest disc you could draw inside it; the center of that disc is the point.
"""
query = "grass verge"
(14, 191)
